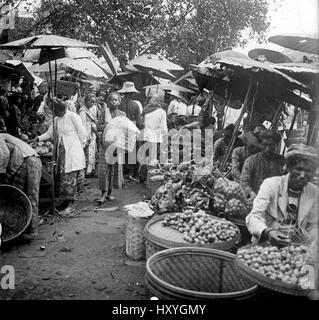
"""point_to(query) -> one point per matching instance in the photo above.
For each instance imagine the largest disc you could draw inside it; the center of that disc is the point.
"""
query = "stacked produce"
(186, 185)
(42, 148)
(200, 227)
(283, 264)
(229, 199)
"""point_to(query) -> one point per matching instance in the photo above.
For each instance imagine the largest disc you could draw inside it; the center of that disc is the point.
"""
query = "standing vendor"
(21, 167)
(262, 165)
(289, 200)
(71, 136)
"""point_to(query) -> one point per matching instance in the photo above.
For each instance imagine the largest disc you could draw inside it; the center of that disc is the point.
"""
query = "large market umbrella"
(52, 48)
(303, 43)
(46, 41)
(22, 68)
(33, 55)
(303, 72)
(212, 59)
(269, 55)
(86, 66)
(157, 64)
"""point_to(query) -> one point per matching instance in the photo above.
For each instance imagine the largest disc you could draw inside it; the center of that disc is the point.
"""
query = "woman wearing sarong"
(88, 114)
(110, 175)
(71, 139)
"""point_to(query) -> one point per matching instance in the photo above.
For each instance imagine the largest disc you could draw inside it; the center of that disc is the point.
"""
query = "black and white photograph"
(159, 151)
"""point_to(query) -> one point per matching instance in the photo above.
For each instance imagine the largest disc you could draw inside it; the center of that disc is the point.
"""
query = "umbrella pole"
(54, 145)
(55, 77)
(232, 141)
(291, 127)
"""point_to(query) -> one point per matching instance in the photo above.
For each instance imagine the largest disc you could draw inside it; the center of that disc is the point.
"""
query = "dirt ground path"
(87, 262)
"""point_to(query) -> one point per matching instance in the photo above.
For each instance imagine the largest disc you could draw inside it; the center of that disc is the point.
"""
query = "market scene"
(157, 150)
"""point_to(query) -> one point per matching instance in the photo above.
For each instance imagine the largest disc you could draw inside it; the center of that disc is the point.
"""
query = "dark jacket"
(132, 111)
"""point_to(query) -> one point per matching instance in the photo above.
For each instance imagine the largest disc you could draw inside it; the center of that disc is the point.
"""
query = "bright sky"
(291, 17)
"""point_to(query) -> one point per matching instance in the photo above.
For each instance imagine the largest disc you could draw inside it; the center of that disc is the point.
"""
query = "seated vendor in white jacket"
(289, 200)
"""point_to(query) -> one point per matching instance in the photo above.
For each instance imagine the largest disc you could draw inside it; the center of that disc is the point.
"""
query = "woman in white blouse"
(71, 139)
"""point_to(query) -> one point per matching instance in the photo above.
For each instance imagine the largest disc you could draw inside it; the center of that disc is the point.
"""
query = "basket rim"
(224, 245)
(266, 282)
(8, 186)
(190, 250)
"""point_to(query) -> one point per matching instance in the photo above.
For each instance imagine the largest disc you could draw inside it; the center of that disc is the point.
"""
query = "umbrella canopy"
(22, 68)
(303, 72)
(268, 55)
(169, 87)
(158, 65)
(46, 41)
(222, 54)
(86, 66)
(297, 42)
(33, 55)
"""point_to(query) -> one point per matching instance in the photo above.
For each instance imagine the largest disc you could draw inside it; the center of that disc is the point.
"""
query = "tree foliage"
(184, 31)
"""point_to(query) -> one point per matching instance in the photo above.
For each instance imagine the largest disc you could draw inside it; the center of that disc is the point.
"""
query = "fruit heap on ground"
(42, 148)
(283, 264)
(199, 227)
(229, 199)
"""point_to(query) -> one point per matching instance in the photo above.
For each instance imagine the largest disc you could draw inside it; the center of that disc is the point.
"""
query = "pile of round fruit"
(283, 264)
(201, 228)
(42, 148)
(229, 199)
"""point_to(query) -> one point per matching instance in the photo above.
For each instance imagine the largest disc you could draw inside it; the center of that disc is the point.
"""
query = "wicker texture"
(152, 248)
(15, 212)
(135, 242)
(196, 273)
(160, 238)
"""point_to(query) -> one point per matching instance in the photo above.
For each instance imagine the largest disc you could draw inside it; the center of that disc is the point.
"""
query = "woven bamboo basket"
(195, 273)
(135, 242)
(15, 212)
(268, 283)
(159, 238)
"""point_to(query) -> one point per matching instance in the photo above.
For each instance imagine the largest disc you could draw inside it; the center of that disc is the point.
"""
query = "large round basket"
(15, 212)
(268, 283)
(195, 273)
(159, 238)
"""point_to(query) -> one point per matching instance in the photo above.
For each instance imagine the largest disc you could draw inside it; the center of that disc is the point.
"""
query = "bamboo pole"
(291, 127)
(232, 141)
(53, 163)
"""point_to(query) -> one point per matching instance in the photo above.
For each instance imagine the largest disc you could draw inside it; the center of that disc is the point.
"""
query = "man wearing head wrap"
(221, 145)
(289, 202)
(262, 165)
(240, 154)
(71, 139)
(21, 167)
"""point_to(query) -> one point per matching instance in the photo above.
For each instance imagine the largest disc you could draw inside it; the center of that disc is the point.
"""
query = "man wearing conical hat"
(133, 112)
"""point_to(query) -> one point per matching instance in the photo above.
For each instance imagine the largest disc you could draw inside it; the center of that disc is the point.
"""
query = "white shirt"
(72, 132)
(179, 108)
(139, 104)
(155, 126)
(196, 112)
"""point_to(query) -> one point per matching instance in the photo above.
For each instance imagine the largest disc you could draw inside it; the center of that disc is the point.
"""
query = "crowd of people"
(81, 134)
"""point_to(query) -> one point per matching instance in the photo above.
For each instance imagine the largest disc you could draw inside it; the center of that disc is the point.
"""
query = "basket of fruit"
(43, 148)
(278, 269)
(15, 212)
(193, 273)
(189, 229)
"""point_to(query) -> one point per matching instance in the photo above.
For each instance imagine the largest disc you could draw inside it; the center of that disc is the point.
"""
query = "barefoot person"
(71, 160)
(106, 171)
